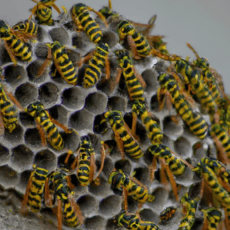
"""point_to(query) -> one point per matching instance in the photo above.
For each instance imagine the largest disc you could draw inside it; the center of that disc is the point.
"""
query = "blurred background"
(202, 23)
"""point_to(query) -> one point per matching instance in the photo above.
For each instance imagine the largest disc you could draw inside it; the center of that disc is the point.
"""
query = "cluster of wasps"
(185, 86)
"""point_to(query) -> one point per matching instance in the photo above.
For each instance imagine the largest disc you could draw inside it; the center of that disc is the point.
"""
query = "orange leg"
(125, 199)
(112, 86)
(56, 8)
(120, 145)
(12, 56)
(25, 198)
(2, 127)
(161, 99)
(163, 175)
(59, 214)
(107, 69)
(153, 169)
(42, 69)
(134, 123)
(139, 77)
(48, 197)
(13, 99)
(70, 152)
(92, 169)
(60, 125)
(133, 47)
(77, 210)
(157, 53)
(75, 163)
(85, 59)
(71, 186)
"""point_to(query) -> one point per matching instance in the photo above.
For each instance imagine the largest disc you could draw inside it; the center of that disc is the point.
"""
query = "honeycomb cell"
(110, 205)
(26, 94)
(110, 38)
(41, 50)
(102, 190)
(124, 165)
(117, 103)
(33, 138)
(112, 224)
(46, 159)
(59, 113)
(142, 175)
(81, 41)
(4, 155)
(96, 102)
(8, 177)
(154, 104)
(15, 75)
(24, 178)
(61, 35)
(147, 214)
(26, 120)
(73, 98)
(95, 223)
(21, 158)
(161, 66)
(88, 205)
(48, 94)
(81, 120)
(108, 166)
(15, 137)
(71, 140)
(150, 78)
(183, 147)
(32, 71)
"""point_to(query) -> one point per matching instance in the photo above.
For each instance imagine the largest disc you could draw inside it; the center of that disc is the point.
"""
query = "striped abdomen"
(69, 216)
(36, 190)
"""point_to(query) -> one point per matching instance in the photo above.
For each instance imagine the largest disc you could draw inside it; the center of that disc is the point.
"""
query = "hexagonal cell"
(32, 71)
(26, 94)
(110, 205)
(118, 103)
(61, 161)
(41, 50)
(96, 102)
(71, 140)
(161, 66)
(112, 224)
(88, 205)
(15, 75)
(46, 159)
(81, 120)
(102, 190)
(21, 158)
(74, 56)
(33, 138)
(148, 215)
(95, 223)
(4, 155)
(150, 78)
(183, 147)
(8, 177)
(60, 34)
(59, 113)
(42, 33)
(48, 94)
(24, 178)
(14, 137)
(110, 37)
(74, 98)
(154, 104)
(80, 40)
(124, 165)
(142, 175)
(26, 119)
(171, 128)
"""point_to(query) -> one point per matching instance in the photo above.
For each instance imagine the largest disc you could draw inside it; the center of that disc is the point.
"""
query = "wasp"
(35, 189)
(85, 162)
(14, 45)
(191, 205)
(130, 187)
(195, 80)
(43, 11)
(125, 141)
(212, 218)
(81, 17)
(209, 176)
(154, 132)
(168, 213)
(67, 209)
(98, 61)
(169, 86)
(26, 30)
(139, 44)
(61, 61)
(46, 124)
(221, 139)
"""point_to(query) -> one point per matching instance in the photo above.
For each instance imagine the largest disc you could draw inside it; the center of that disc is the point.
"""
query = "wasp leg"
(48, 196)
(113, 84)
(125, 199)
(59, 214)
(75, 163)
(12, 56)
(85, 59)
(42, 69)
(42, 134)
(107, 69)
(77, 210)
(139, 77)
(60, 125)
(120, 144)
(56, 8)
(13, 99)
(2, 127)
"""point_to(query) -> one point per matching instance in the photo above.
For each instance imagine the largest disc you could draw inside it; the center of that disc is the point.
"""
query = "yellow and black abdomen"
(44, 15)
(8, 111)
(39, 176)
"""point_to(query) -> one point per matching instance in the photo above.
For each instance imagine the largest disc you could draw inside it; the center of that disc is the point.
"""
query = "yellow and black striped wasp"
(212, 218)
(62, 63)
(190, 206)
(26, 30)
(59, 187)
(35, 190)
(169, 86)
(98, 61)
(222, 141)
(46, 125)
(123, 135)
(129, 186)
(43, 11)
(139, 44)
(167, 214)
(133, 221)
(14, 45)
(82, 19)
(85, 163)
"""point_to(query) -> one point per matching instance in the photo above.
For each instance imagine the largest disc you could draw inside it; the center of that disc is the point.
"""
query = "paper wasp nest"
(78, 108)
